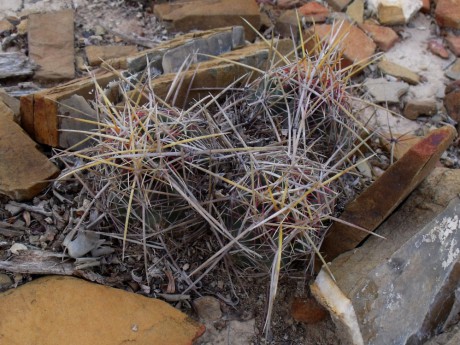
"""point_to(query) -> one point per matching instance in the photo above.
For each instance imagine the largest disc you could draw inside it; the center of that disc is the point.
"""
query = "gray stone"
(454, 71)
(14, 64)
(403, 287)
(383, 91)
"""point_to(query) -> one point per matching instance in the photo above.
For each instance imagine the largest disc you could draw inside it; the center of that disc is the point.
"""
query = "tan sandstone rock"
(62, 310)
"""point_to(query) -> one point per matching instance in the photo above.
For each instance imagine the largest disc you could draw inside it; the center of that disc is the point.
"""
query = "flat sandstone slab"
(51, 44)
(24, 170)
(62, 310)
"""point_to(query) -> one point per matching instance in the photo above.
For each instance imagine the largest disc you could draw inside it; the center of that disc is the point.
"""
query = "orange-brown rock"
(448, 13)
(452, 100)
(97, 54)
(383, 36)
(63, 310)
(24, 170)
(438, 49)
(377, 202)
(40, 111)
(210, 14)
(313, 12)
(307, 310)
(426, 4)
(453, 42)
(51, 44)
(357, 47)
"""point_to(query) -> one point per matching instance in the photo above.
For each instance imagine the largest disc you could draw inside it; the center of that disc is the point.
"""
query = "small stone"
(338, 5)
(356, 11)
(453, 42)
(97, 54)
(438, 49)
(384, 91)
(51, 49)
(63, 310)
(447, 13)
(5, 27)
(384, 37)
(313, 12)
(99, 30)
(395, 12)
(452, 100)
(415, 108)
(5, 281)
(454, 70)
(307, 310)
(399, 71)
(207, 308)
(22, 27)
(24, 170)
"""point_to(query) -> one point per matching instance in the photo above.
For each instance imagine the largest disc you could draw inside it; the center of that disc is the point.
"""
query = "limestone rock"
(383, 91)
(24, 171)
(356, 11)
(448, 13)
(64, 310)
(384, 37)
(452, 100)
(414, 108)
(14, 64)
(402, 288)
(399, 71)
(453, 42)
(395, 12)
(52, 50)
(377, 202)
(97, 54)
(206, 14)
(338, 5)
(356, 45)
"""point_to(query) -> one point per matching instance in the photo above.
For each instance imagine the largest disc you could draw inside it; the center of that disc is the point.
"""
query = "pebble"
(5, 281)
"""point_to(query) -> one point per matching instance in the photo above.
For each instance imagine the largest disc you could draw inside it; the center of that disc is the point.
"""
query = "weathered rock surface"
(384, 37)
(338, 5)
(356, 11)
(447, 13)
(356, 45)
(51, 49)
(403, 288)
(24, 170)
(379, 200)
(14, 64)
(383, 91)
(415, 108)
(206, 14)
(63, 310)
(454, 70)
(399, 71)
(97, 54)
(395, 12)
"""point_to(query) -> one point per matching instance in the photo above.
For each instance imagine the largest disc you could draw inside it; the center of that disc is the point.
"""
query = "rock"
(52, 50)
(64, 310)
(97, 54)
(11, 102)
(211, 42)
(287, 4)
(453, 42)
(207, 308)
(232, 332)
(5, 281)
(452, 100)
(450, 337)
(357, 46)
(384, 37)
(380, 199)
(5, 27)
(313, 12)
(9, 7)
(414, 108)
(24, 170)
(402, 288)
(22, 27)
(447, 13)
(398, 71)
(395, 12)
(40, 111)
(15, 64)
(454, 70)
(205, 15)
(383, 91)
(6, 112)
(426, 6)
(401, 143)
(287, 24)
(438, 49)
(338, 5)
(307, 310)
(356, 11)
